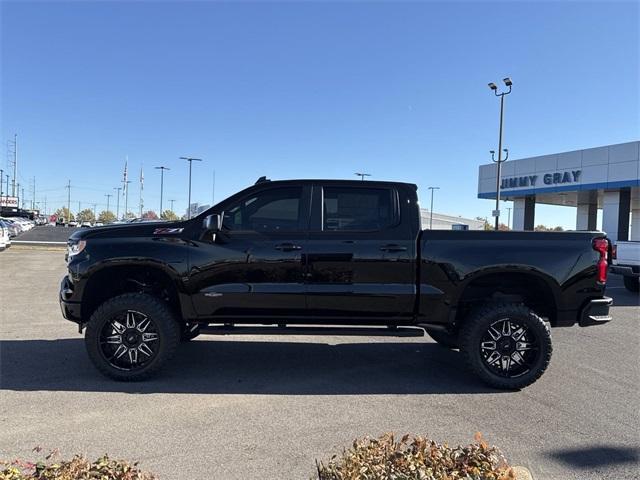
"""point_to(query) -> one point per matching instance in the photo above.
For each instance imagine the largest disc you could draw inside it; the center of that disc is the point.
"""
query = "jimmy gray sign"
(571, 176)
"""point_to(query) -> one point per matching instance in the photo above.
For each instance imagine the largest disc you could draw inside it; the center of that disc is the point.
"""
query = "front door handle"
(288, 247)
(392, 247)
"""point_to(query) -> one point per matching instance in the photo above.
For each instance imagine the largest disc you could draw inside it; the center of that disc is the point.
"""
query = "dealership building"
(606, 178)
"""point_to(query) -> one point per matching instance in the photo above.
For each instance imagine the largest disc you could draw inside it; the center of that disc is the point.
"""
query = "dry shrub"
(78, 468)
(416, 458)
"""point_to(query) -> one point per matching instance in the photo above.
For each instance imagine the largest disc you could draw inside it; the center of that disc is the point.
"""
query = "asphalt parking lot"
(267, 407)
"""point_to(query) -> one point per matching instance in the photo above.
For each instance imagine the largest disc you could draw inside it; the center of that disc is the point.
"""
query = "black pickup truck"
(285, 256)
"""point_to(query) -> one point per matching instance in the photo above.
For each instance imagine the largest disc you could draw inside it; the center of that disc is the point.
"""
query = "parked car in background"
(626, 262)
(14, 228)
(98, 224)
(86, 224)
(5, 240)
(73, 223)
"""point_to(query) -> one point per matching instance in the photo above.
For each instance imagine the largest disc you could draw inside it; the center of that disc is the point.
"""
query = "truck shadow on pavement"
(206, 365)
(594, 457)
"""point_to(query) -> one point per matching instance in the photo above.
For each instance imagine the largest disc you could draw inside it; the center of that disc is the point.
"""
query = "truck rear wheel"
(507, 345)
(445, 339)
(131, 336)
(632, 283)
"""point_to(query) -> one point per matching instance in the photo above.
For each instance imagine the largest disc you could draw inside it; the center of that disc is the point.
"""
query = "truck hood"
(142, 229)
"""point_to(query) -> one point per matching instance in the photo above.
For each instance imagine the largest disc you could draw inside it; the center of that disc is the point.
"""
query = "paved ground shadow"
(597, 456)
(249, 367)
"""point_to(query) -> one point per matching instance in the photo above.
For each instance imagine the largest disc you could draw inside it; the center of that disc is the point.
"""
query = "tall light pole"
(117, 202)
(507, 81)
(499, 162)
(108, 195)
(172, 200)
(362, 175)
(162, 169)
(190, 160)
(431, 209)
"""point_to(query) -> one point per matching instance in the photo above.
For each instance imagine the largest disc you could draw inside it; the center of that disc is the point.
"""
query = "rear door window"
(357, 209)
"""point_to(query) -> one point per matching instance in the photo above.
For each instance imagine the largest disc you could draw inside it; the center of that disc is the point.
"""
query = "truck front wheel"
(632, 283)
(507, 345)
(131, 336)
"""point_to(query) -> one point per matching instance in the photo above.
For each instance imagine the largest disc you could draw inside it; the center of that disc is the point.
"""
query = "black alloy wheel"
(507, 345)
(131, 336)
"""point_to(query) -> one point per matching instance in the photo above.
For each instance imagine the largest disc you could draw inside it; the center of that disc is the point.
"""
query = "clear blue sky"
(288, 90)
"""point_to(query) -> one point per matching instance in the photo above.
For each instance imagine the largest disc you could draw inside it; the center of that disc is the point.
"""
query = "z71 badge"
(165, 231)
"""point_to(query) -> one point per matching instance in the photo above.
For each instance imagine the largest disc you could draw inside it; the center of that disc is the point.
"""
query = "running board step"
(346, 331)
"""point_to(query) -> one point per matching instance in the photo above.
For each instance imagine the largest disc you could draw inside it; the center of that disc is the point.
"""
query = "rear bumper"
(596, 312)
(626, 270)
(70, 309)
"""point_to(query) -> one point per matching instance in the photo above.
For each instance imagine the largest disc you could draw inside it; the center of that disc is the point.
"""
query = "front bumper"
(70, 310)
(596, 312)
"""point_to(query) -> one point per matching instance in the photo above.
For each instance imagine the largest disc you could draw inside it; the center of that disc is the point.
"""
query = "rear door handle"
(288, 247)
(392, 247)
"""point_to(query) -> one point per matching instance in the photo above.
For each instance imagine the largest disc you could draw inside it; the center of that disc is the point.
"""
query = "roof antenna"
(262, 179)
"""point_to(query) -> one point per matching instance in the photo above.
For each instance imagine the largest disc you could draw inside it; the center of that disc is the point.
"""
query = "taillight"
(614, 252)
(601, 245)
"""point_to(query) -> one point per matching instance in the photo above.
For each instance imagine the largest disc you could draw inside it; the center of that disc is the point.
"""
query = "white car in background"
(626, 262)
(5, 241)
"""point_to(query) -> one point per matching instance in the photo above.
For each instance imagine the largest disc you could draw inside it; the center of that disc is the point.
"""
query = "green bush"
(416, 458)
(78, 468)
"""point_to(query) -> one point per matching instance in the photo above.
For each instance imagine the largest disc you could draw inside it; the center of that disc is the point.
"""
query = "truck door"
(360, 254)
(254, 267)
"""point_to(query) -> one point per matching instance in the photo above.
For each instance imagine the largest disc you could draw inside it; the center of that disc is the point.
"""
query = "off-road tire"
(445, 339)
(631, 283)
(166, 326)
(477, 327)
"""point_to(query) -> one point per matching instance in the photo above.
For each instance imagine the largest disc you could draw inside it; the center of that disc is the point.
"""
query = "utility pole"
(33, 198)
(190, 160)
(126, 197)
(94, 212)
(507, 81)
(431, 209)
(509, 218)
(68, 219)
(17, 195)
(45, 205)
(172, 201)
(162, 168)
(79, 207)
(1, 177)
(108, 195)
(117, 202)
(15, 164)
(362, 175)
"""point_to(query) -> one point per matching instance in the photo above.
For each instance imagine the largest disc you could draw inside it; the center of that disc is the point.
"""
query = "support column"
(635, 224)
(615, 213)
(587, 211)
(524, 209)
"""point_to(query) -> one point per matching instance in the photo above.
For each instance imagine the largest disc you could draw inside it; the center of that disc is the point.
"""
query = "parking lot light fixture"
(162, 169)
(507, 81)
(190, 160)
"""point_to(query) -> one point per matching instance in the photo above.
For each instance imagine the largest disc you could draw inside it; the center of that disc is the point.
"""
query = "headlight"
(76, 248)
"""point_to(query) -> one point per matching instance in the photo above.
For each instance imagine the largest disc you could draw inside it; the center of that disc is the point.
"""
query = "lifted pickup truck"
(334, 253)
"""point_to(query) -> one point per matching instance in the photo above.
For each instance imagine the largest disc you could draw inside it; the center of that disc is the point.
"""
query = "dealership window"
(273, 210)
(357, 208)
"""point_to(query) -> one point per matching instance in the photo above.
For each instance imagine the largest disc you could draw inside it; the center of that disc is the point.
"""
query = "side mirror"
(212, 223)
